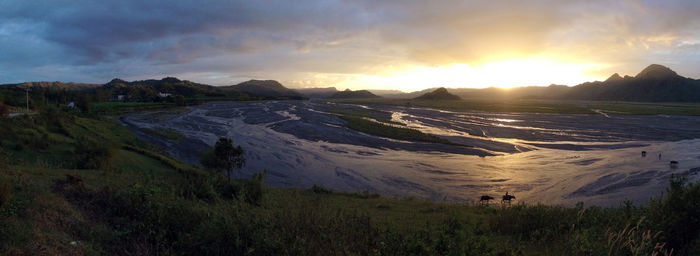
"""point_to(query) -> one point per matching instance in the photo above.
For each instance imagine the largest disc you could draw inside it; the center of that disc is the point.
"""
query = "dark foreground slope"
(79, 185)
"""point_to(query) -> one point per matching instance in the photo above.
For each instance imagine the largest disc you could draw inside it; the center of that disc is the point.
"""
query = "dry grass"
(635, 241)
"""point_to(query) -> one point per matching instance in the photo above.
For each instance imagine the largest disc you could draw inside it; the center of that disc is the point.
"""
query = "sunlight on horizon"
(502, 74)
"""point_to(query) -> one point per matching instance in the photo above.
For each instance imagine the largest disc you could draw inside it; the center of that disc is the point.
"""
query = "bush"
(4, 110)
(5, 192)
(320, 190)
(676, 215)
(84, 103)
(180, 100)
(32, 138)
(93, 155)
(253, 188)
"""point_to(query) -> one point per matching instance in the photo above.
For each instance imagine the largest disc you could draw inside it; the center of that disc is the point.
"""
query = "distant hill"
(264, 88)
(349, 94)
(439, 94)
(384, 93)
(145, 90)
(52, 85)
(655, 83)
(317, 92)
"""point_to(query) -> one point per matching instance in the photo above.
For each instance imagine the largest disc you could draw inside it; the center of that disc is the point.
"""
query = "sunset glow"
(503, 74)
(404, 46)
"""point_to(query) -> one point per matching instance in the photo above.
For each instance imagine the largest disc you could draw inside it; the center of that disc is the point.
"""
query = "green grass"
(116, 108)
(166, 133)
(148, 203)
(379, 123)
(395, 132)
(381, 116)
(543, 106)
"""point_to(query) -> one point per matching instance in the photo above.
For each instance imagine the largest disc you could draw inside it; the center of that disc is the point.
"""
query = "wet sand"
(547, 158)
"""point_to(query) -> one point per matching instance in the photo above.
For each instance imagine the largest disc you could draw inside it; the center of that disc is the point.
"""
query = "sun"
(503, 74)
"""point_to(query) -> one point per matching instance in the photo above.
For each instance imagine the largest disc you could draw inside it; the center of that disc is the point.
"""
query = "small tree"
(224, 157)
(179, 100)
(83, 103)
(4, 110)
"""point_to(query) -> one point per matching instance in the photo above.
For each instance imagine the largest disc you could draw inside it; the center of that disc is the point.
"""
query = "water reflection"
(553, 159)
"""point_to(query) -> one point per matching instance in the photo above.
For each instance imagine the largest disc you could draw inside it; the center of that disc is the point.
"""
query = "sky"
(361, 44)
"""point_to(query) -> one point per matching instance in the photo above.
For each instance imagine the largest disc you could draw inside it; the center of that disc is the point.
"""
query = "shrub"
(180, 100)
(84, 103)
(253, 188)
(320, 190)
(93, 155)
(4, 110)
(676, 215)
(5, 192)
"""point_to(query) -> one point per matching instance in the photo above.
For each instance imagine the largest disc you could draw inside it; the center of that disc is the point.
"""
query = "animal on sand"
(485, 200)
(507, 198)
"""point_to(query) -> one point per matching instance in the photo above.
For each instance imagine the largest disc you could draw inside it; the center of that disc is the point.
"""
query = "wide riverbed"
(547, 158)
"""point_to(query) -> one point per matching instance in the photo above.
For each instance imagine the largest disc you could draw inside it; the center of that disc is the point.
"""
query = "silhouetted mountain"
(317, 92)
(383, 93)
(348, 94)
(264, 88)
(51, 85)
(654, 83)
(614, 77)
(656, 71)
(439, 94)
(150, 89)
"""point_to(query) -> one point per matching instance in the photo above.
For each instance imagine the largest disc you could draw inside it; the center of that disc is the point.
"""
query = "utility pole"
(27, 100)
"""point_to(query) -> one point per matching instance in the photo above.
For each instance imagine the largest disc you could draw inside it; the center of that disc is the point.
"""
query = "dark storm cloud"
(93, 41)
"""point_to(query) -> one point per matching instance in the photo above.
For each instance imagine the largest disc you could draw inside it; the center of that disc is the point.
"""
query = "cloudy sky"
(404, 45)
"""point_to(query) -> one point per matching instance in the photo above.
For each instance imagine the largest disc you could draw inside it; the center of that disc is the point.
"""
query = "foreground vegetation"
(74, 184)
(543, 106)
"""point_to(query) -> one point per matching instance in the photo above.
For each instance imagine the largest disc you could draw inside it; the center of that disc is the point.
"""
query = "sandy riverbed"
(548, 158)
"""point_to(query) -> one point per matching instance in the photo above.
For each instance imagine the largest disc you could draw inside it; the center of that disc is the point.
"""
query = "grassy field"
(394, 132)
(165, 133)
(381, 116)
(125, 198)
(116, 108)
(363, 120)
(543, 106)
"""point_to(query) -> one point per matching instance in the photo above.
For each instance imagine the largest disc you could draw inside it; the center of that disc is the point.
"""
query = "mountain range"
(147, 90)
(349, 94)
(656, 83)
(438, 94)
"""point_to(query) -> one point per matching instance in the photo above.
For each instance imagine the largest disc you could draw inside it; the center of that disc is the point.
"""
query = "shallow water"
(552, 159)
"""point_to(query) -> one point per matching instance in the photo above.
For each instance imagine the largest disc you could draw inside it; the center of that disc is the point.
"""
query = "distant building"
(119, 97)
(164, 95)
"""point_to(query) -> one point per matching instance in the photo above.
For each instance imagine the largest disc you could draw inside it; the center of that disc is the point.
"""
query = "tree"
(180, 100)
(4, 110)
(83, 103)
(224, 157)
